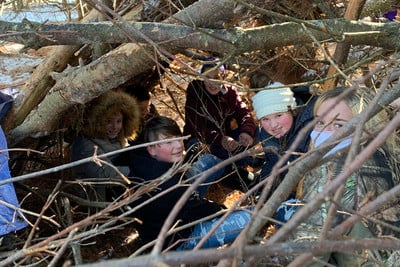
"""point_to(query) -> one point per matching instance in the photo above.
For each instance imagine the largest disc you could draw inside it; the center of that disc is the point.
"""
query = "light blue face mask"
(320, 137)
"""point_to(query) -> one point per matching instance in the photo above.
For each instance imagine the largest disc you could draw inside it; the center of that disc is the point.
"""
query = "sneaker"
(250, 176)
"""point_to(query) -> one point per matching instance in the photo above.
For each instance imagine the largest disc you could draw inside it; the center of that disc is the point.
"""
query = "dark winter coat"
(209, 117)
(153, 215)
(83, 147)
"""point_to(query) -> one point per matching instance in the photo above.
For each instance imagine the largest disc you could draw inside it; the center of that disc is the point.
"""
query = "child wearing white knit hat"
(273, 107)
(271, 101)
(281, 118)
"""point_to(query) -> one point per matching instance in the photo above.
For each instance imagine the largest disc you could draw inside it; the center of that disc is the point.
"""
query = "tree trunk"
(353, 12)
(234, 40)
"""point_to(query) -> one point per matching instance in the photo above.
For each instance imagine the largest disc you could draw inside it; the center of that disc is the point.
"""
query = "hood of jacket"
(109, 103)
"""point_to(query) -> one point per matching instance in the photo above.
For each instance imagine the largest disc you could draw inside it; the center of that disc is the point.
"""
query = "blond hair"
(358, 100)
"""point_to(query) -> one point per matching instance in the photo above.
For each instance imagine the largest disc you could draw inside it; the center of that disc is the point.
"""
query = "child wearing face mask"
(110, 121)
(282, 116)
(150, 163)
(374, 177)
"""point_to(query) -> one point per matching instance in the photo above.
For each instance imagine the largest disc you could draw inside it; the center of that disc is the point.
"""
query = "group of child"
(217, 118)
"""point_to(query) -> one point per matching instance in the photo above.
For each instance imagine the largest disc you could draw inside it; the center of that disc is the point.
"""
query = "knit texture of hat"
(271, 101)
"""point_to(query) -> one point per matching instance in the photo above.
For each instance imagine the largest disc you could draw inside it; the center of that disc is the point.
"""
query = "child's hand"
(245, 139)
(229, 143)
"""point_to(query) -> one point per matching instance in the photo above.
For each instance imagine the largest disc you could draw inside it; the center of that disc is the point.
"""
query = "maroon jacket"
(208, 117)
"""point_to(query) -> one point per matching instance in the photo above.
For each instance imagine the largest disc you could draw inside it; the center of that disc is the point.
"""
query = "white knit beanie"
(271, 101)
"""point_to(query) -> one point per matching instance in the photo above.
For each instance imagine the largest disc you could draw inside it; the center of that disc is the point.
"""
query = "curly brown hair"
(106, 105)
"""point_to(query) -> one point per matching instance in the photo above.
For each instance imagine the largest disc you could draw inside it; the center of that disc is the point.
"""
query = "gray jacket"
(83, 147)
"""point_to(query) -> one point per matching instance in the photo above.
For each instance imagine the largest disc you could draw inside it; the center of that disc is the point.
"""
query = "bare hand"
(229, 143)
(245, 139)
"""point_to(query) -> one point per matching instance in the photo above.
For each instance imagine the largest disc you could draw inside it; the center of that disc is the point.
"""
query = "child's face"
(169, 151)
(277, 124)
(114, 125)
(212, 87)
(335, 116)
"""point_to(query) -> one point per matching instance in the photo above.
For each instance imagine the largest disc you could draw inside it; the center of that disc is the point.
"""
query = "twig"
(325, 54)
(62, 249)
(50, 199)
(278, 249)
(85, 160)
(76, 250)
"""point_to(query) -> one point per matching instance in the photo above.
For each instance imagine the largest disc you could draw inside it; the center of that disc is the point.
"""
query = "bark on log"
(378, 7)
(40, 82)
(226, 40)
(173, 258)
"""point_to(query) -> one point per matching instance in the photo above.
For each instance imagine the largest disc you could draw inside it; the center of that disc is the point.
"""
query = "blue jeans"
(193, 148)
(226, 232)
(222, 153)
(286, 211)
(204, 163)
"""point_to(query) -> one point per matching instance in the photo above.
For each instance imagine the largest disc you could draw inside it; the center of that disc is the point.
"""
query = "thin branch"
(85, 160)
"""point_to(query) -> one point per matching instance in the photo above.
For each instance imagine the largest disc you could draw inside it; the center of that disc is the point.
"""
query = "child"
(281, 119)
(216, 115)
(154, 161)
(111, 120)
(143, 98)
(374, 177)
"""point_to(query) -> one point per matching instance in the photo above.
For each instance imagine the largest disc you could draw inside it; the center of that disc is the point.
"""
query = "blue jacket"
(10, 219)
